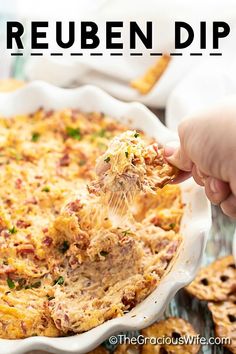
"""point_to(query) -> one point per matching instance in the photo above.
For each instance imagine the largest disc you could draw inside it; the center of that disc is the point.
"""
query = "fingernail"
(214, 185)
(170, 148)
(201, 174)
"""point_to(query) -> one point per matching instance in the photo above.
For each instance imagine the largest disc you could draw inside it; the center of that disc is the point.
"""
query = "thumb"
(176, 156)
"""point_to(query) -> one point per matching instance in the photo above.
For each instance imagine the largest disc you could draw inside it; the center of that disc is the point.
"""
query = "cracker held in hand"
(174, 328)
(145, 83)
(215, 282)
(224, 317)
(129, 166)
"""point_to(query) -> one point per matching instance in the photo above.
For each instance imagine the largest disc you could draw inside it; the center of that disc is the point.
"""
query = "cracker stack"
(216, 284)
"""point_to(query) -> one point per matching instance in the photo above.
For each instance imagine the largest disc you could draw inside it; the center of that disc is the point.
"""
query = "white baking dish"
(195, 224)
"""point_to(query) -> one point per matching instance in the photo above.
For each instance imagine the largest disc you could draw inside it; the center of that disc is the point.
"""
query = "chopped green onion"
(59, 280)
(10, 283)
(126, 232)
(46, 189)
(73, 133)
(13, 230)
(172, 225)
(35, 137)
(136, 135)
(127, 154)
(107, 159)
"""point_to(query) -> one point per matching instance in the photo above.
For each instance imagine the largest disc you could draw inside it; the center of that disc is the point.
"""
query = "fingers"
(198, 176)
(217, 191)
(177, 157)
(228, 206)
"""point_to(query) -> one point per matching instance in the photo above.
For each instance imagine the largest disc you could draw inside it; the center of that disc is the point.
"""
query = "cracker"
(145, 83)
(172, 327)
(224, 317)
(215, 282)
(8, 85)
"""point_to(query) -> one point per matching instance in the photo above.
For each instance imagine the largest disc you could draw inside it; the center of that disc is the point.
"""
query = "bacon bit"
(38, 177)
(47, 241)
(128, 299)
(8, 202)
(66, 318)
(18, 183)
(23, 327)
(5, 233)
(73, 261)
(148, 160)
(45, 230)
(25, 248)
(23, 224)
(156, 221)
(49, 113)
(64, 160)
(28, 158)
(6, 269)
(74, 206)
(82, 240)
(31, 201)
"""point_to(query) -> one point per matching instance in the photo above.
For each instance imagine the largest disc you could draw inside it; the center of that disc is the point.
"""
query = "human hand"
(207, 151)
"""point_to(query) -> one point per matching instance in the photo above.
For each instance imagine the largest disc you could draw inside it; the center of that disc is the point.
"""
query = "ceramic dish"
(194, 228)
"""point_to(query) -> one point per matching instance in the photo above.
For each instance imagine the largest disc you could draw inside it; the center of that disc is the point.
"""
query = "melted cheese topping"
(128, 167)
(64, 267)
